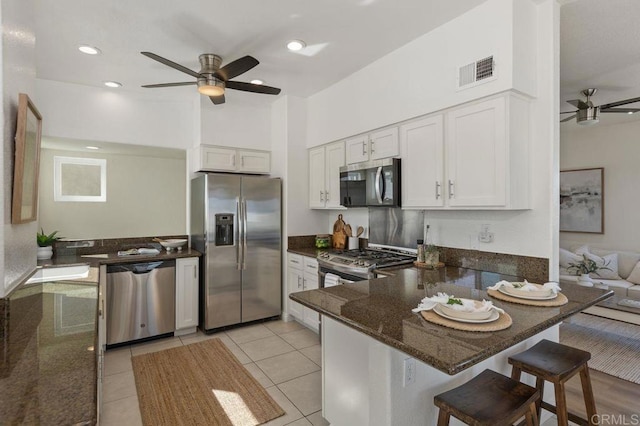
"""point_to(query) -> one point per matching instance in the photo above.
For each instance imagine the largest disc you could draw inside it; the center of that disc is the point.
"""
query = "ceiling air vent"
(477, 72)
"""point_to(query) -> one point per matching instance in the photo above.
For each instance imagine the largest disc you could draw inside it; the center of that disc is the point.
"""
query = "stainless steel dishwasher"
(140, 300)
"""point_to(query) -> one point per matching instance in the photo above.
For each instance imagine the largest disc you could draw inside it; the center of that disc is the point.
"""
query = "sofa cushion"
(634, 292)
(609, 261)
(567, 257)
(634, 276)
(627, 260)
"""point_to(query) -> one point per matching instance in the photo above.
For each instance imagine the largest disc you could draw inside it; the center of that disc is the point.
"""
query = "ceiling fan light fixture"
(588, 116)
(210, 86)
(113, 84)
(258, 82)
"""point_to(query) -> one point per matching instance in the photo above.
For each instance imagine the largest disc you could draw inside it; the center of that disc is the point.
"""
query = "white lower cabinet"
(186, 295)
(302, 274)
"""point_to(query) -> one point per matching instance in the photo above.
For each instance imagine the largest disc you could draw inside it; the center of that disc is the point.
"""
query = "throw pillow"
(610, 261)
(634, 277)
(582, 250)
(567, 257)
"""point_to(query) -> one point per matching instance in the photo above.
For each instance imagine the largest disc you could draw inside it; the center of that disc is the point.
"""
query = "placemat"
(503, 321)
(558, 301)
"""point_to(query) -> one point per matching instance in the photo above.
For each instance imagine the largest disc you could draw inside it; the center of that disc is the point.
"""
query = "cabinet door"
(254, 161)
(186, 292)
(357, 149)
(316, 178)
(384, 144)
(334, 159)
(214, 158)
(476, 154)
(422, 163)
(311, 317)
(294, 284)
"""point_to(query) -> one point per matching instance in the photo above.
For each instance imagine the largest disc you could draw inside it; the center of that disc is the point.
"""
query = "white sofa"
(626, 262)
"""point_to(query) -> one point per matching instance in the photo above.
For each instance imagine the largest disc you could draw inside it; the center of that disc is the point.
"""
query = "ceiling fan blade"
(217, 100)
(237, 67)
(250, 87)
(171, 64)
(186, 83)
(578, 104)
(623, 110)
(568, 119)
(615, 104)
(568, 112)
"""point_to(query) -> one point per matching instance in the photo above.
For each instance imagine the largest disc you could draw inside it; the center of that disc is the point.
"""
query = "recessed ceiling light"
(296, 45)
(89, 50)
(92, 147)
(112, 84)
(257, 82)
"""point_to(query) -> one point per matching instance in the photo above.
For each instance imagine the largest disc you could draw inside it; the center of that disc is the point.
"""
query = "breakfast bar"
(382, 363)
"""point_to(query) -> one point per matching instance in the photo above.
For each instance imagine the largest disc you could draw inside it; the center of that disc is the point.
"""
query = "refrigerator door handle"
(238, 241)
(244, 232)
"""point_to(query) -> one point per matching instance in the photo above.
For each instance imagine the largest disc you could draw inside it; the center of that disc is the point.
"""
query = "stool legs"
(443, 418)
(587, 391)
(532, 415)
(561, 405)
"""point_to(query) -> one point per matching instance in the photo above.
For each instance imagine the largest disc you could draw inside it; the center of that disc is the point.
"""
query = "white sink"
(70, 272)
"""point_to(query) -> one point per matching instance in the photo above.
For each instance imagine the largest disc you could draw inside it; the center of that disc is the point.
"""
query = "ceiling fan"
(212, 80)
(588, 114)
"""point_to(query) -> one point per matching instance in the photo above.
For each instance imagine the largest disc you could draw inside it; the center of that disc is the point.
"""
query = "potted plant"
(45, 244)
(585, 267)
(431, 255)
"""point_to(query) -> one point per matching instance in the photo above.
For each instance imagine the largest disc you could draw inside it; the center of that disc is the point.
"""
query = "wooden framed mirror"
(27, 162)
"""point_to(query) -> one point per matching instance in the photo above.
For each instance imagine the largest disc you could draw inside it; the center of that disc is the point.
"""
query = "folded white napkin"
(331, 280)
(468, 305)
(554, 287)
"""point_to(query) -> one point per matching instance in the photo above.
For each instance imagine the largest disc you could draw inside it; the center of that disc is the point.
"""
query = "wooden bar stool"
(489, 399)
(557, 363)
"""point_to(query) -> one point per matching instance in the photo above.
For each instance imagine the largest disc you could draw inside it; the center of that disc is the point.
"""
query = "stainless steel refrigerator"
(236, 223)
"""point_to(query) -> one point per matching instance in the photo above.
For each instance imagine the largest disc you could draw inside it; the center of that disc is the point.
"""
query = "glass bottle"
(421, 257)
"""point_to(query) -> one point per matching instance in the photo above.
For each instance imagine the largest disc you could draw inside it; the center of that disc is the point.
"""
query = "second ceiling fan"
(212, 80)
(587, 113)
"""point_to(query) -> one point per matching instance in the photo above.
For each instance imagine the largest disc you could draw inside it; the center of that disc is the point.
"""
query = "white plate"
(517, 296)
(494, 316)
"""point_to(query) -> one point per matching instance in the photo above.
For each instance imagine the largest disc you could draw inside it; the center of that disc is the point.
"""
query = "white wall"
(420, 78)
(245, 124)
(614, 147)
(18, 246)
(145, 197)
(153, 118)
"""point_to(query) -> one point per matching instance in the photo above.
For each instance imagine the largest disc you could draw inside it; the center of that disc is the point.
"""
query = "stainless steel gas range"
(358, 265)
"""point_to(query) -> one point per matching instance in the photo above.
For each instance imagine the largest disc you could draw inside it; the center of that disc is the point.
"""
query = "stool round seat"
(557, 363)
(488, 399)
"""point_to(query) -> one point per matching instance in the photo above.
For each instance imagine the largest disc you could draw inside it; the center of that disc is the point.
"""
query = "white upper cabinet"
(324, 175)
(225, 159)
(373, 146)
(475, 156)
(422, 144)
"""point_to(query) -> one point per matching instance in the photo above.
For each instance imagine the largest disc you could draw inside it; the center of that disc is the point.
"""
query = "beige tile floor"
(283, 356)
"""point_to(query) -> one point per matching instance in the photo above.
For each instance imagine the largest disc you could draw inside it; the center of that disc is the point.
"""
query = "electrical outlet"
(409, 371)
(485, 236)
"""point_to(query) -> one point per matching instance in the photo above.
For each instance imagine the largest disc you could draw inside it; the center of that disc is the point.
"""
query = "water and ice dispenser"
(224, 229)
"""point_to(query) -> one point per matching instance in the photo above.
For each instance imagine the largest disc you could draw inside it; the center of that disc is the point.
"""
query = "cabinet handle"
(451, 194)
(233, 160)
(437, 190)
(242, 160)
(373, 146)
(364, 148)
(321, 196)
(195, 272)
(303, 283)
(326, 196)
(298, 281)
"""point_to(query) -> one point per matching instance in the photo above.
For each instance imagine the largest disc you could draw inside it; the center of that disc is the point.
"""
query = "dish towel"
(468, 305)
(554, 287)
(331, 280)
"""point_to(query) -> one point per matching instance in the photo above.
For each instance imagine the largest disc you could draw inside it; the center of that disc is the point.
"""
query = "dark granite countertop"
(48, 371)
(113, 258)
(381, 308)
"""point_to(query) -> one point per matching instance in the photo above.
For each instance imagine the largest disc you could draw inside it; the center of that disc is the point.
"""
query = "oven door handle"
(378, 186)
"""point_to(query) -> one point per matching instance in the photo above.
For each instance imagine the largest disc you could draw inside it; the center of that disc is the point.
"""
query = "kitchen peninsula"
(369, 335)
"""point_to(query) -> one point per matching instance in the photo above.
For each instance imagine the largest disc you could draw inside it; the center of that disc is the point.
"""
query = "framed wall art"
(79, 179)
(582, 200)
(27, 162)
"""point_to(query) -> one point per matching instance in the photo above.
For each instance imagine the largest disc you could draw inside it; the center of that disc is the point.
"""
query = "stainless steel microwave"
(371, 184)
